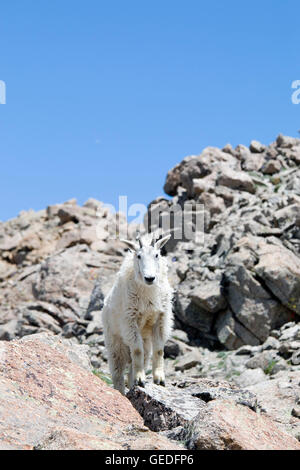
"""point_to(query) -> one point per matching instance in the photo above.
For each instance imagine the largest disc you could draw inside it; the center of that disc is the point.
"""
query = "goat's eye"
(156, 256)
(139, 256)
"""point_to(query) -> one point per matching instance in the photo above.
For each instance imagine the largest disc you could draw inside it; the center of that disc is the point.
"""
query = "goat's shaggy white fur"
(137, 319)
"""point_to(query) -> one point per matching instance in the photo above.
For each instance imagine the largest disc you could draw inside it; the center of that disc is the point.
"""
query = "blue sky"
(103, 98)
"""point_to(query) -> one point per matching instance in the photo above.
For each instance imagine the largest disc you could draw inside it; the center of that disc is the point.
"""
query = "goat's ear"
(130, 244)
(160, 243)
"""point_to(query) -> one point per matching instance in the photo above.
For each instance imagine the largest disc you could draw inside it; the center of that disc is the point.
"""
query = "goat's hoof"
(140, 383)
(160, 382)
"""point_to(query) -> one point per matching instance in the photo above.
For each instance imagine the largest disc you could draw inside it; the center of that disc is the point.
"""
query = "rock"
(271, 167)
(208, 390)
(6, 270)
(164, 408)
(180, 335)
(224, 425)
(286, 142)
(287, 215)
(271, 343)
(68, 214)
(10, 243)
(236, 281)
(250, 377)
(226, 331)
(189, 312)
(253, 161)
(202, 186)
(188, 361)
(172, 181)
(277, 398)
(172, 349)
(96, 300)
(290, 331)
(214, 204)
(280, 270)
(257, 147)
(65, 407)
(265, 361)
(246, 350)
(295, 359)
(209, 297)
(296, 412)
(213, 424)
(9, 330)
(251, 303)
(287, 348)
(236, 180)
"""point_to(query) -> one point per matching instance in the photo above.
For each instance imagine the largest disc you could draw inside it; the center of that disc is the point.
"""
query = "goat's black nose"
(149, 280)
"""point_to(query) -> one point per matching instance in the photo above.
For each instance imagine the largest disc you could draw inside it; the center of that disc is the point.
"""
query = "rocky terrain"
(236, 305)
(51, 400)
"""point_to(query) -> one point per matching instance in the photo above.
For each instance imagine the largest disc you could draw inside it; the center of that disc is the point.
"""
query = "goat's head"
(147, 259)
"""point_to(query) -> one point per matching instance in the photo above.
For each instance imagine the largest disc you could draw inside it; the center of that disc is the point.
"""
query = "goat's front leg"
(158, 352)
(135, 343)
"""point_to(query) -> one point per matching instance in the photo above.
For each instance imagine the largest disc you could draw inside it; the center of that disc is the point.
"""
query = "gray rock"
(271, 343)
(250, 377)
(236, 180)
(223, 425)
(180, 335)
(287, 142)
(189, 312)
(209, 296)
(290, 332)
(256, 147)
(271, 167)
(188, 361)
(268, 361)
(225, 328)
(296, 412)
(250, 302)
(280, 270)
(277, 398)
(172, 349)
(245, 350)
(208, 390)
(296, 358)
(164, 408)
(9, 330)
(287, 348)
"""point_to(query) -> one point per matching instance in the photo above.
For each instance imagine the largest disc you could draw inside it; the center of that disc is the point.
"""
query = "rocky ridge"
(243, 281)
(236, 300)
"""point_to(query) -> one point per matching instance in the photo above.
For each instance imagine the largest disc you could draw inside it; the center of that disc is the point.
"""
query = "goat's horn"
(153, 240)
(138, 238)
(159, 238)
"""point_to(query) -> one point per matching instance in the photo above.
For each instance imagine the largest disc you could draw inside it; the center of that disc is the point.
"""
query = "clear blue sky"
(104, 97)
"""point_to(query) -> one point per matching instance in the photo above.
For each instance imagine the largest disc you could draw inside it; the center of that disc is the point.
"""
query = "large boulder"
(223, 425)
(210, 416)
(279, 397)
(279, 268)
(50, 399)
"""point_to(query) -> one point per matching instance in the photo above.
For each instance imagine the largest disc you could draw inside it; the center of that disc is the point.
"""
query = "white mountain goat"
(137, 314)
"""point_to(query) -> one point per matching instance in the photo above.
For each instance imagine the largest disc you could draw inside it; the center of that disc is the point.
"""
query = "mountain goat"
(137, 314)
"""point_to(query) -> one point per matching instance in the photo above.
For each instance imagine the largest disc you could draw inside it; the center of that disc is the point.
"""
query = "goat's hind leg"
(130, 380)
(118, 358)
